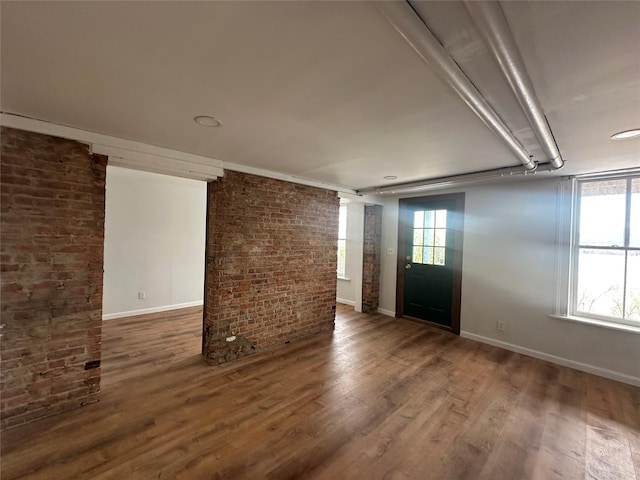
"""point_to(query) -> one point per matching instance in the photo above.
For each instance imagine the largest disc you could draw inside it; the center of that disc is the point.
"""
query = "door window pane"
(417, 255)
(440, 237)
(418, 236)
(600, 282)
(428, 237)
(602, 213)
(429, 219)
(429, 231)
(428, 255)
(418, 219)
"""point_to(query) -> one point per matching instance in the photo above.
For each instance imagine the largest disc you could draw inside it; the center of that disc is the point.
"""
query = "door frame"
(458, 226)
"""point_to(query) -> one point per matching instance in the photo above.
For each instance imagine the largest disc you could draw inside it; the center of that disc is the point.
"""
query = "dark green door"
(428, 262)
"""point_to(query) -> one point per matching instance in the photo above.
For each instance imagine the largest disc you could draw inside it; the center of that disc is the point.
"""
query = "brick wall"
(371, 258)
(271, 264)
(51, 250)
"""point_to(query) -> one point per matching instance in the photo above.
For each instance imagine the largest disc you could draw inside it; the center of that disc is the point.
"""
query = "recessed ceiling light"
(390, 177)
(633, 133)
(207, 121)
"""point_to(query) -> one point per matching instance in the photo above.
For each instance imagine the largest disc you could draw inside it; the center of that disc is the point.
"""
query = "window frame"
(433, 246)
(576, 245)
(343, 274)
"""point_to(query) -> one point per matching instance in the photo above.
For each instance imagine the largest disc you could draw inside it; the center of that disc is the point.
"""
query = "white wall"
(154, 242)
(509, 274)
(350, 291)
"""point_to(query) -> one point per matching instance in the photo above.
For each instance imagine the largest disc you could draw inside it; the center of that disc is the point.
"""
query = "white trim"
(564, 242)
(346, 302)
(388, 313)
(599, 323)
(144, 311)
(344, 279)
(142, 156)
(287, 178)
(119, 157)
(357, 251)
(48, 128)
(583, 367)
(608, 174)
(366, 199)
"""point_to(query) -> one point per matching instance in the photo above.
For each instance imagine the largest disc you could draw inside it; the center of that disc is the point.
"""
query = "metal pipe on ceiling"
(449, 181)
(492, 24)
(411, 27)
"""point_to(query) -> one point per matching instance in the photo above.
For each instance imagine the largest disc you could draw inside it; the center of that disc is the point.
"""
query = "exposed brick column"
(270, 264)
(51, 251)
(371, 258)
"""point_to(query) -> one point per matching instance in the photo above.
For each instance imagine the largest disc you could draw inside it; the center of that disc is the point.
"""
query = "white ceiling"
(323, 90)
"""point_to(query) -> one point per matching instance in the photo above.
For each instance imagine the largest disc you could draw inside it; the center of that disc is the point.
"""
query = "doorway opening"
(429, 275)
(154, 262)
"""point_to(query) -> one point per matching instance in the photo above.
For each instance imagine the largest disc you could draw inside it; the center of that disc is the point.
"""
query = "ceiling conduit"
(411, 27)
(452, 180)
(488, 16)
(492, 24)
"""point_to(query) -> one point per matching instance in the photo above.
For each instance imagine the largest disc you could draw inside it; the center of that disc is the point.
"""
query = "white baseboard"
(583, 367)
(143, 311)
(388, 313)
(346, 302)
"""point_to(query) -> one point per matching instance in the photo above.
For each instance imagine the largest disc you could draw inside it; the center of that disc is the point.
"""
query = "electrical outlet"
(141, 295)
(500, 326)
(390, 251)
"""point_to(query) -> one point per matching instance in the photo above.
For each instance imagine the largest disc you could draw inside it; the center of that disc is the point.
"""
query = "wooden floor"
(380, 399)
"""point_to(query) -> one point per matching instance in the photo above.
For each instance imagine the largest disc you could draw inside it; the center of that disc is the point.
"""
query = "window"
(342, 241)
(606, 253)
(429, 237)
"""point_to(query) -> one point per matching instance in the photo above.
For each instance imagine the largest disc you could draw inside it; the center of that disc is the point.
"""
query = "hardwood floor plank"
(608, 449)
(380, 398)
(631, 410)
(563, 444)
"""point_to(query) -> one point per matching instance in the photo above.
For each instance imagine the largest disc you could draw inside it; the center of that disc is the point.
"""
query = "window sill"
(346, 279)
(598, 323)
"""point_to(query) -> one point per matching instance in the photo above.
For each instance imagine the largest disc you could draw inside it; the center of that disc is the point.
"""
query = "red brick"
(271, 277)
(51, 248)
(371, 258)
